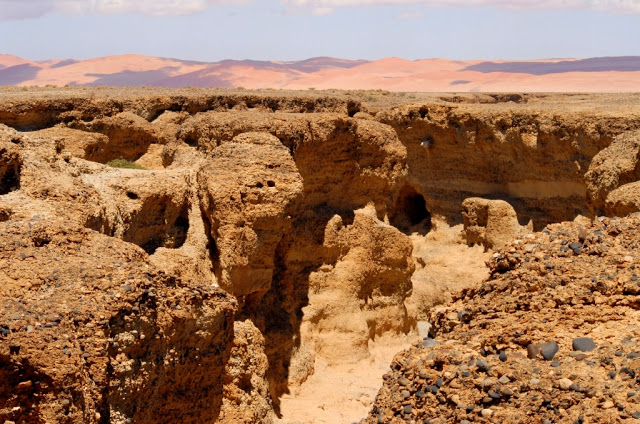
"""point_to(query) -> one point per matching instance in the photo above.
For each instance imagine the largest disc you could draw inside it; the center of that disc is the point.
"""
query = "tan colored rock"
(623, 200)
(362, 296)
(247, 192)
(246, 389)
(611, 168)
(491, 223)
(113, 336)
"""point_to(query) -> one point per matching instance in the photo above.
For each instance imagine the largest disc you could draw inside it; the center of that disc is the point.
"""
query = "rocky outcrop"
(261, 235)
(613, 168)
(551, 336)
(533, 156)
(491, 223)
(91, 332)
(248, 193)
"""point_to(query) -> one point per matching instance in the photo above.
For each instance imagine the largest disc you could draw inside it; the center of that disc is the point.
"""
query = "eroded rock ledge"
(258, 233)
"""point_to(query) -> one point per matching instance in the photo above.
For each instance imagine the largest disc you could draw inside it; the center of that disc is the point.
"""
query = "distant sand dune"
(602, 74)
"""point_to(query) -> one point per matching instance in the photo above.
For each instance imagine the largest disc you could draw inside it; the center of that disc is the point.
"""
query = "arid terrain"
(235, 256)
(599, 74)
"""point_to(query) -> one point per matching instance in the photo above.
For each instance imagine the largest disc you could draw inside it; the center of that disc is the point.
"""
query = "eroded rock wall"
(533, 157)
(254, 236)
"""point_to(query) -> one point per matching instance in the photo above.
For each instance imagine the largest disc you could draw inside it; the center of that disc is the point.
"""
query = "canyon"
(266, 256)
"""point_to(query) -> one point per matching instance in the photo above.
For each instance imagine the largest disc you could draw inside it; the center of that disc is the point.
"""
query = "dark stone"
(408, 409)
(549, 350)
(636, 415)
(482, 365)
(439, 382)
(466, 374)
(126, 287)
(494, 395)
(574, 246)
(612, 374)
(583, 344)
(555, 364)
(429, 343)
(631, 373)
(503, 356)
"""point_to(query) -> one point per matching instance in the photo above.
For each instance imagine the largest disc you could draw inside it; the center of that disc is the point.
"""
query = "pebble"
(555, 364)
(429, 343)
(404, 381)
(607, 405)
(574, 246)
(534, 381)
(506, 391)
(636, 415)
(482, 365)
(549, 350)
(504, 380)
(503, 356)
(583, 344)
(565, 383)
(612, 374)
(408, 409)
(486, 413)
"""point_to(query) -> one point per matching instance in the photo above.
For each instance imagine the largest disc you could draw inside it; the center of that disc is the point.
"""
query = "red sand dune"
(608, 74)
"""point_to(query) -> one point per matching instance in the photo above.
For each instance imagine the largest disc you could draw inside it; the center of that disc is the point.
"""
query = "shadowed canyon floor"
(235, 256)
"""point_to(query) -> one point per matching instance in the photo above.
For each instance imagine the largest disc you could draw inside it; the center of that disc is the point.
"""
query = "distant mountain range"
(603, 74)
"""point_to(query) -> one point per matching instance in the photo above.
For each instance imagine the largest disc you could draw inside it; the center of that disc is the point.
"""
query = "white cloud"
(613, 6)
(24, 9)
(410, 15)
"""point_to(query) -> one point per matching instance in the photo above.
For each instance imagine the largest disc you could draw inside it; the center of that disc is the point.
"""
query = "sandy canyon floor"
(236, 256)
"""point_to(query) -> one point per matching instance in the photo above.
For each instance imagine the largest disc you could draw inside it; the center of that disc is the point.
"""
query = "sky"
(212, 30)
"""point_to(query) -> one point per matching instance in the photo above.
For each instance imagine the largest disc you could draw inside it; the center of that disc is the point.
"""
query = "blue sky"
(211, 30)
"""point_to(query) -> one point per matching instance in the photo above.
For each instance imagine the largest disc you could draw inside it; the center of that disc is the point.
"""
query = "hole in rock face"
(271, 183)
(158, 223)
(410, 210)
(9, 173)
(5, 215)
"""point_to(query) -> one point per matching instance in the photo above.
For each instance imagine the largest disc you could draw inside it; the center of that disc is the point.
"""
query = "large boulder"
(613, 167)
(491, 223)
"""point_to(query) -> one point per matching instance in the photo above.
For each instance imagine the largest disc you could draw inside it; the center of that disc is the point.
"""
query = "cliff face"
(256, 235)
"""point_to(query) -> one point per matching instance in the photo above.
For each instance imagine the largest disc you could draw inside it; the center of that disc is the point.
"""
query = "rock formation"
(246, 238)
